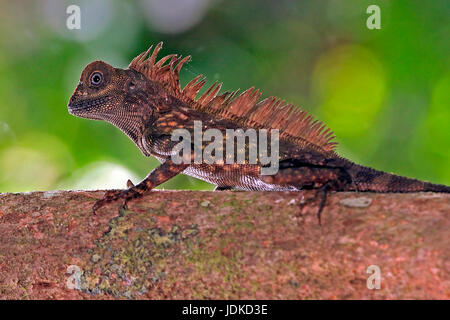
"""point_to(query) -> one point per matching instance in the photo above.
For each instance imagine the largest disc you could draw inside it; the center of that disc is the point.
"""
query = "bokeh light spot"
(26, 170)
(100, 175)
(34, 161)
(174, 16)
(438, 118)
(349, 85)
(95, 17)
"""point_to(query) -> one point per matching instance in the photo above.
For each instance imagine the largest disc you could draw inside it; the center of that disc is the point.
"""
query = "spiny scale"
(295, 125)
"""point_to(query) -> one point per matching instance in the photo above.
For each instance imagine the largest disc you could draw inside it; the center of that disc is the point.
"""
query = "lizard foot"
(111, 196)
(321, 195)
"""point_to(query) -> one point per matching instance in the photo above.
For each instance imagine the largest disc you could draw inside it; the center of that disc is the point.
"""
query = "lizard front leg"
(159, 175)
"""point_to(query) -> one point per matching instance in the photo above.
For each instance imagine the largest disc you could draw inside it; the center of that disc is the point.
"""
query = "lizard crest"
(295, 125)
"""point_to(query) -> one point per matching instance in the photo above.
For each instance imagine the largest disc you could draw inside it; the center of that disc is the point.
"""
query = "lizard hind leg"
(323, 179)
(322, 193)
(341, 182)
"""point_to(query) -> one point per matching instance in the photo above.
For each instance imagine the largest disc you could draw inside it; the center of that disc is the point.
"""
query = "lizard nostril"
(72, 100)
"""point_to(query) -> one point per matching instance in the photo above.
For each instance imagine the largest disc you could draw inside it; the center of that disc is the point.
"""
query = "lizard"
(147, 103)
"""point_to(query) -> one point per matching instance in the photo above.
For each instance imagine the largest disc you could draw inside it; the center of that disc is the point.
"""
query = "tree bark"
(224, 245)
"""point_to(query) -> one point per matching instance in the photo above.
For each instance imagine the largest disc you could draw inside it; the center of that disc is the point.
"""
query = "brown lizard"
(146, 102)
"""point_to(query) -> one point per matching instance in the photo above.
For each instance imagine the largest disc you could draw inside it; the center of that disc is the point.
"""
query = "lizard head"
(113, 95)
(104, 92)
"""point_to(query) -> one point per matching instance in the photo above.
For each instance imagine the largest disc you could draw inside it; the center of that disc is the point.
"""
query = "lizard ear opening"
(131, 85)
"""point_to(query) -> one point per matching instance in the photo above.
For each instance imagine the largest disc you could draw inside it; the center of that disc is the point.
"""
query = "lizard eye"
(96, 78)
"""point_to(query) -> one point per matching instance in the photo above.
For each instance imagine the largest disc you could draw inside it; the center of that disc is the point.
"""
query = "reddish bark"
(224, 245)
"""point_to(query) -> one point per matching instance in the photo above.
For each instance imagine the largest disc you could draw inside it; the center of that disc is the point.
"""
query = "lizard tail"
(368, 179)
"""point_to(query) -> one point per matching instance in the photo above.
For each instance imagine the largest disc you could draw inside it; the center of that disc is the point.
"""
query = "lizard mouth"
(81, 107)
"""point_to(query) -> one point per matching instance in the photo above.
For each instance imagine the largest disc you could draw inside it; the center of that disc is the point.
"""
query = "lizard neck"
(132, 126)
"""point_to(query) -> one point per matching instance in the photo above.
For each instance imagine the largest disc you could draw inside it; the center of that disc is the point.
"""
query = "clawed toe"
(130, 184)
(320, 196)
(111, 196)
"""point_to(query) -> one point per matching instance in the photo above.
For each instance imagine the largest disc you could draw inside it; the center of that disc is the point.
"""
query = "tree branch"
(224, 245)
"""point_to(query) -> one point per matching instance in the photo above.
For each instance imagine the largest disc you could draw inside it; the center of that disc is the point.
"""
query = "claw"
(125, 203)
(111, 196)
(97, 205)
(130, 184)
(322, 193)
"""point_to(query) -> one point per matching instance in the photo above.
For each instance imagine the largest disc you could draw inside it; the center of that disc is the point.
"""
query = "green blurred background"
(385, 93)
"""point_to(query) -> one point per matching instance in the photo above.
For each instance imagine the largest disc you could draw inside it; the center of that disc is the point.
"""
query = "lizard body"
(146, 102)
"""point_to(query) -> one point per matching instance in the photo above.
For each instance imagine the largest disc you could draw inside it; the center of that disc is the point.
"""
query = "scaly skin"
(147, 107)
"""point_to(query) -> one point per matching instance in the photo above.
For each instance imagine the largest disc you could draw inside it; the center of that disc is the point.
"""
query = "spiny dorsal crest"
(294, 124)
